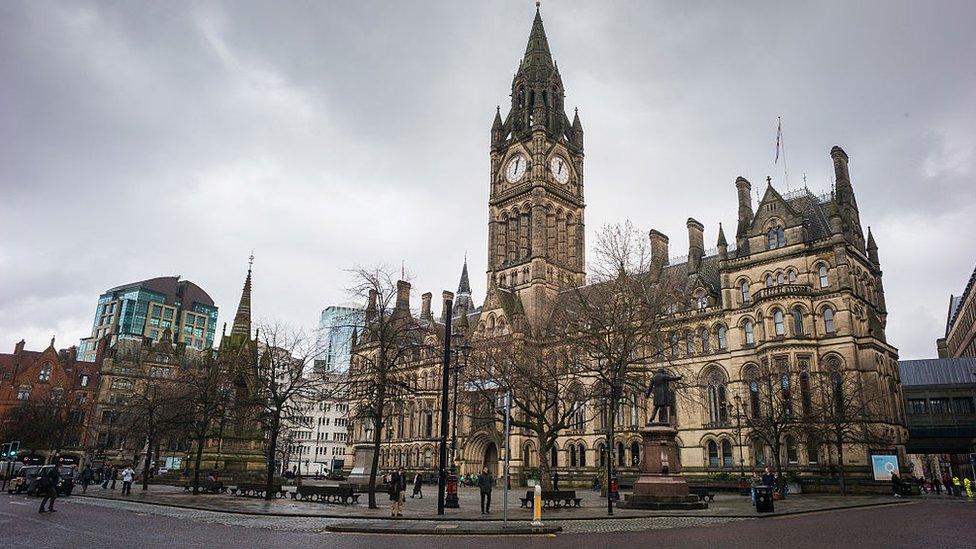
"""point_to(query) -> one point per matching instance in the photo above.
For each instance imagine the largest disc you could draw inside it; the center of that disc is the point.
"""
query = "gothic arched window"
(828, 318)
(797, 321)
(776, 237)
(572, 455)
(822, 272)
(748, 332)
(712, 454)
(581, 455)
(621, 458)
(717, 410)
(778, 322)
(635, 453)
(726, 453)
(703, 336)
(720, 332)
(45, 374)
(744, 292)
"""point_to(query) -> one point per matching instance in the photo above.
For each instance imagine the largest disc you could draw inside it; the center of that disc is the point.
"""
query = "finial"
(250, 260)
(538, 4)
(769, 180)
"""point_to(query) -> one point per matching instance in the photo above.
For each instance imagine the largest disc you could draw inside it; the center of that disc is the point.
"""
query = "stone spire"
(242, 321)
(873, 249)
(462, 303)
(537, 89)
(537, 50)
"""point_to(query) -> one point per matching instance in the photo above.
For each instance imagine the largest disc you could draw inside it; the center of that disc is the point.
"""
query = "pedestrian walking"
(128, 475)
(418, 485)
(106, 476)
(47, 483)
(555, 481)
(115, 476)
(895, 484)
(87, 474)
(396, 488)
(768, 478)
(485, 482)
(969, 488)
(937, 484)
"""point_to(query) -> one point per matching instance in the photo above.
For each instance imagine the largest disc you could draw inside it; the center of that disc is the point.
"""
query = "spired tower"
(535, 208)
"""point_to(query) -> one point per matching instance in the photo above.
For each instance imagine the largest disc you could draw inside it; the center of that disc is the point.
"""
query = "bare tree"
(206, 393)
(539, 378)
(390, 339)
(844, 413)
(617, 322)
(51, 423)
(780, 405)
(282, 383)
(151, 413)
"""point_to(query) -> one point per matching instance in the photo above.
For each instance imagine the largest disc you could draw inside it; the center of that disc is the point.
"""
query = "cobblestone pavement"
(593, 506)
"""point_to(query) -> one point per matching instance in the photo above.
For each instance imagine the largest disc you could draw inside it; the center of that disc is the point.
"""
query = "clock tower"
(535, 208)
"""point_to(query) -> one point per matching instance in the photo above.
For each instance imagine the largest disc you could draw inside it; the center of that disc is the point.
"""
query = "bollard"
(537, 507)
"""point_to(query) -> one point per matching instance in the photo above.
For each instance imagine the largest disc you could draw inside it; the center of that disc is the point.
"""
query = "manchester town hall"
(797, 285)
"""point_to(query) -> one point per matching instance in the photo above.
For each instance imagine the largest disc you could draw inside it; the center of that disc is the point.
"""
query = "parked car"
(25, 475)
(30, 486)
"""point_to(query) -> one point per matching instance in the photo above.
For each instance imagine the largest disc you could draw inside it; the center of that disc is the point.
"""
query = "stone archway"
(491, 458)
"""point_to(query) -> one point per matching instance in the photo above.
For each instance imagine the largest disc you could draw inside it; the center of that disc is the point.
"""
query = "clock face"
(559, 169)
(516, 168)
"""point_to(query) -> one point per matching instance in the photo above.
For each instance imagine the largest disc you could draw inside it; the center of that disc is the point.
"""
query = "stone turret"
(723, 245)
(744, 191)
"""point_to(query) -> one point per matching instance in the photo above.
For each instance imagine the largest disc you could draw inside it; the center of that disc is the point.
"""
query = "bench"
(702, 492)
(207, 487)
(552, 499)
(257, 490)
(327, 494)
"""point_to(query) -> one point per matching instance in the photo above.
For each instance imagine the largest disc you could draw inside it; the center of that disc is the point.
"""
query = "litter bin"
(764, 499)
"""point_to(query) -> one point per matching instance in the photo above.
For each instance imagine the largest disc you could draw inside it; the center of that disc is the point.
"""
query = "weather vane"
(250, 260)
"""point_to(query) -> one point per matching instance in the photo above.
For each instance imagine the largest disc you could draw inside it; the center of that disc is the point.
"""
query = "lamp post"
(462, 349)
(445, 380)
(738, 429)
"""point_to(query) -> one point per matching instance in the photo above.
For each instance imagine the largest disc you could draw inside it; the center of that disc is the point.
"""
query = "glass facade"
(137, 311)
(336, 326)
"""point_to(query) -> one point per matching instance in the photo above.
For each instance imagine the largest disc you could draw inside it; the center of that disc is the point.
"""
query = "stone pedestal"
(362, 462)
(660, 485)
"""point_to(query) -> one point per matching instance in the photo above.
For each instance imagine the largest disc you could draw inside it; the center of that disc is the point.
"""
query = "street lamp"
(461, 349)
(738, 429)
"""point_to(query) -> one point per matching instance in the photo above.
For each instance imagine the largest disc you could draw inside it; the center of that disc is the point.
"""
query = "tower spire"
(242, 320)
(464, 287)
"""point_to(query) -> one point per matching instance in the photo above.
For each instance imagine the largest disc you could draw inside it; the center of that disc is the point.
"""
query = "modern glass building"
(146, 309)
(336, 326)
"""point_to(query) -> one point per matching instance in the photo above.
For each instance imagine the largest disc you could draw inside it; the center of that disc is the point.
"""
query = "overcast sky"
(141, 140)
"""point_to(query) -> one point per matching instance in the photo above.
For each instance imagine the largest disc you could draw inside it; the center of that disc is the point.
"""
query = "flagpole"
(786, 174)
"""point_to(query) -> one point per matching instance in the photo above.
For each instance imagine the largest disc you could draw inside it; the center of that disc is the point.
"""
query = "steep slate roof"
(956, 302)
(938, 371)
(814, 217)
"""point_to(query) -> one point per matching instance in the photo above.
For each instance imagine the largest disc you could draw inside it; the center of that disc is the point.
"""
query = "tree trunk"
(545, 466)
(611, 427)
(272, 448)
(840, 464)
(196, 469)
(375, 465)
(147, 463)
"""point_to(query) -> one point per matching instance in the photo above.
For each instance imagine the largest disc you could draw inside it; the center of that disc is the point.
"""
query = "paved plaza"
(110, 522)
(592, 506)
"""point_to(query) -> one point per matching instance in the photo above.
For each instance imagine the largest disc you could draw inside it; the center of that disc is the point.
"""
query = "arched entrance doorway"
(491, 458)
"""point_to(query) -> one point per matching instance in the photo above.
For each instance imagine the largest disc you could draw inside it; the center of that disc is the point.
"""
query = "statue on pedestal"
(660, 387)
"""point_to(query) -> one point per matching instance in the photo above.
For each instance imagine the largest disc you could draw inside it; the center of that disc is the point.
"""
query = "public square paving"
(593, 506)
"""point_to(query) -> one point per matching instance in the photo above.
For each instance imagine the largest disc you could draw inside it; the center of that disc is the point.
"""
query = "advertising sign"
(884, 466)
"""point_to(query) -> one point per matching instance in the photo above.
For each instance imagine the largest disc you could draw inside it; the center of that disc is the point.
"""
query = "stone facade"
(960, 334)
(799, 286)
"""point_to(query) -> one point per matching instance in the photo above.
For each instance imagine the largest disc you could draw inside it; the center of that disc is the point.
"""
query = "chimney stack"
(696, 244)
(19, 347)
(371, 305)
(425, 305)
(659, 251)
(403, 295)
(448, 297)
(744, 190)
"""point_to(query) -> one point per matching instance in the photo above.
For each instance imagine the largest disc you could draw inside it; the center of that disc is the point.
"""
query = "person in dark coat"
(768, 478)
(895, 484)
(418, 486)
(485, 482)
(48, 485)
(555, 481)
(87, 475)
(106, 476)
(393, 487)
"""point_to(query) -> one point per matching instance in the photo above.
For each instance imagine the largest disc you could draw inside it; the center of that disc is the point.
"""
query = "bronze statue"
(660, 387)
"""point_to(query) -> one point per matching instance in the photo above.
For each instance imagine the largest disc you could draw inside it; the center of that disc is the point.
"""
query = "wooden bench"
(702, 492)
(207, 487)
(257, 490)
(327, 494)
(552, 499)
